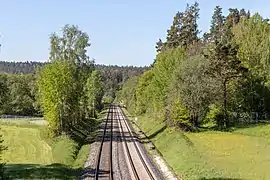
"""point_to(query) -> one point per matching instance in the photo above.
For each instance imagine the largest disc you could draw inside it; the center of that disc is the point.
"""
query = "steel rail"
(136, 146)
(101, 147)
(135, 173)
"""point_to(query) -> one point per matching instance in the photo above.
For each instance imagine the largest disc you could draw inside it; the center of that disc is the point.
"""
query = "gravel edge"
(156, 156)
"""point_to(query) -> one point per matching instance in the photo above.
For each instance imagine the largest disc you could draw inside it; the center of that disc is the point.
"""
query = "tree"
(160, 46)
(183, 31)
(3, 97)
(72, 46)
(252, 37)
(62, 81)
(189, 30)
(56, 88)
(233, 18)
(21, 98)
(94, 92)
(217, 24)
(225, 65)
(143, 92)
(194, 88)
(3, 92)
(173, 34)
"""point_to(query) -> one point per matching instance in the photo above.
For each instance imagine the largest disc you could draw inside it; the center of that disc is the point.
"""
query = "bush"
(179, 116)
(64, 150)
(214, 115)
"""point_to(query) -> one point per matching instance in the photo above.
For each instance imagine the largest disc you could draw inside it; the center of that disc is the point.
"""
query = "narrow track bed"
(120, 154)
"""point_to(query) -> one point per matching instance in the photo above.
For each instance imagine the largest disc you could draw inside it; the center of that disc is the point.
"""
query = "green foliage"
(56, 88)
(93, 92)
(61, 83)
(143, 92)
(214, 115)
(166, 63)
(179, 115)
(190, 78)
(21, 95)
(194, 87)
(64, 157)
(107, 99)
(183, 31)
(127, 95)
(82, 156)
(2, 163)
(252, 36)
(3, 92)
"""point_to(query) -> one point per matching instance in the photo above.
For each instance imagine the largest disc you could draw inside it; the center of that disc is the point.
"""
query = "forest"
(221, 78)
(19, 80)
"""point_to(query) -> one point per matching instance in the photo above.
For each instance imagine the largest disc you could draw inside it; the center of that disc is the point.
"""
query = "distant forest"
(113, 76)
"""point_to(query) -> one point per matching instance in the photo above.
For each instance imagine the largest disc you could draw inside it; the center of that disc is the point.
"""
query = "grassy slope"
(31, 155)
(213, 155)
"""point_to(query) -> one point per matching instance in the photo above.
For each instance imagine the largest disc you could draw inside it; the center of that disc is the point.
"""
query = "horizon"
(122, 33)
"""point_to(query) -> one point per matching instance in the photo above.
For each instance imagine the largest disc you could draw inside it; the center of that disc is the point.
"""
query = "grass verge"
(241, 154)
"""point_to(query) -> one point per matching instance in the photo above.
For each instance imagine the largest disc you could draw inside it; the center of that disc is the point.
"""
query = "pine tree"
(225, 65)
(183, 31)
(233, 18)
(244, 14)
(173, 34)
(217, 24)
(160, 46)
(189, 29)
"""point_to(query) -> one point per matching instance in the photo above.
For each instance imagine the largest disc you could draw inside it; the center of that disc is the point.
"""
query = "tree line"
(20, 79)
(221, 78)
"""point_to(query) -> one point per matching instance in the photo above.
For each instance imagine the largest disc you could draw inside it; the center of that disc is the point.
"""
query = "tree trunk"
(225, 120)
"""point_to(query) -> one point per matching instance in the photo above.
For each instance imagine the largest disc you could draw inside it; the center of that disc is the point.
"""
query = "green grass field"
(32, 155)
(25, 145)
(241, 154)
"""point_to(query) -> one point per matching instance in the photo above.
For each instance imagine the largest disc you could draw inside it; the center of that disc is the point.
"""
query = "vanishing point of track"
(129, 143)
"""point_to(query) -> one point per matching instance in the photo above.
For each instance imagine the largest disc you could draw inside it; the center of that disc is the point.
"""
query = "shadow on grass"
(234, 126)
(37, 171)
(252, 124)
(83, 133)
(153, 135)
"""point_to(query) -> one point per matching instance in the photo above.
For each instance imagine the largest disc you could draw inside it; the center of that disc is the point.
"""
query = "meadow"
(242, 153)
(31, 154)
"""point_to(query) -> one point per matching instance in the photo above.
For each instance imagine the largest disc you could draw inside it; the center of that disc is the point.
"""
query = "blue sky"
(122, 32)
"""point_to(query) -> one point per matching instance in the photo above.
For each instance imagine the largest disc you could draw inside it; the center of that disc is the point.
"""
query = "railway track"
(136, 164)
(137, 172)
(98, 173)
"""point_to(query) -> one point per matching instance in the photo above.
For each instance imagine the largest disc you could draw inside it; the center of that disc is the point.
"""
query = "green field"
(32, 155)
(241, 154)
